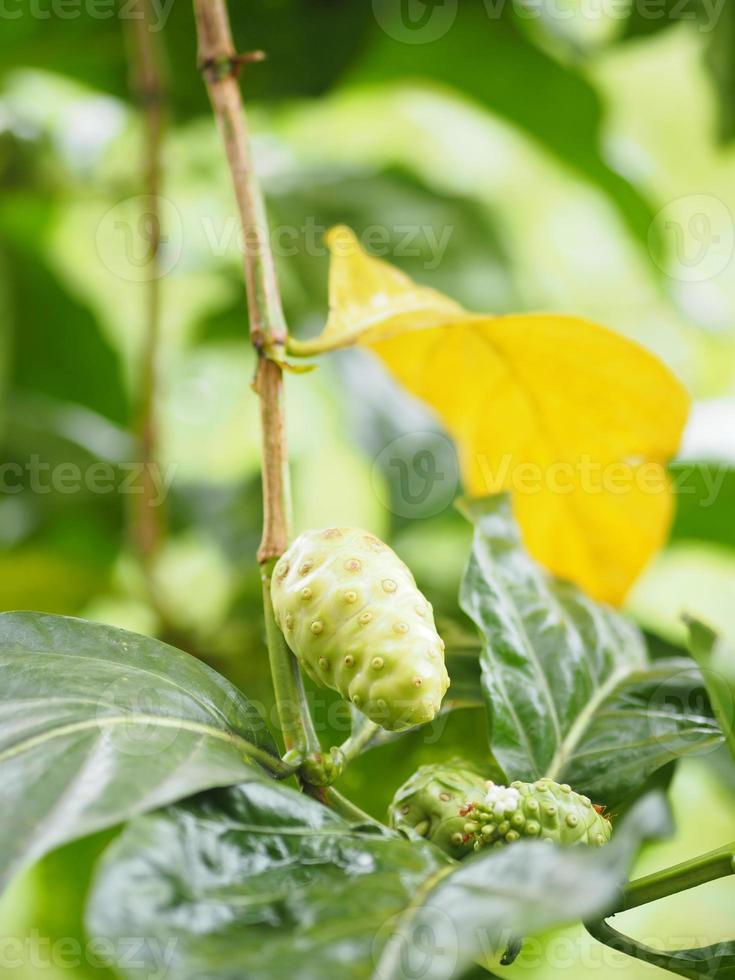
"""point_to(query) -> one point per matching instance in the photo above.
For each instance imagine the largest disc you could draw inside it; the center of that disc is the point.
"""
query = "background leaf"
(97, 724)
(90, 46)
(484, 55)
(705, 500)
(719, 677)
(717, 22)
(568, 683)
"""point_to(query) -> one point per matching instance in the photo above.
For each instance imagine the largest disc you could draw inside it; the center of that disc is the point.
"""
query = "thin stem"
(297, 728)
(220, 65)
(311, 347)
(148, 85)
(689, 874)
(675, 962)
(357, 742)
(707, 867)
(330, 797)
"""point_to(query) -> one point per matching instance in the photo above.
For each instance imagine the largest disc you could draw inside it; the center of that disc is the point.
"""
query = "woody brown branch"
(220, 65)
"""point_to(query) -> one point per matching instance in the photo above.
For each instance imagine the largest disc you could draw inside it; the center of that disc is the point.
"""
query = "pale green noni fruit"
(544, 810)
(352, 614)
(431, 800)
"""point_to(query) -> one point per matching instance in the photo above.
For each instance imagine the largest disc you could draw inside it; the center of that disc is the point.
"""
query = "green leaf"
(567, 681)
(488, 59)
(719, 60)
(716, 22)
(98, 724)
(707, 650)
(258, 882)
(90, 45)
(652, 718)
(514, 891)
(78, 365)
(705, 500)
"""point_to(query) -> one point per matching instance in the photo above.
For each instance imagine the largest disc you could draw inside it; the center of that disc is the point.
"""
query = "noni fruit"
(545, 810)
(430, 803)
(353, 616)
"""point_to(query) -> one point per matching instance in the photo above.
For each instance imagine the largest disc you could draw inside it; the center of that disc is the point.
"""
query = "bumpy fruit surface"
(430, 803)
(350, 611)
(544, 810)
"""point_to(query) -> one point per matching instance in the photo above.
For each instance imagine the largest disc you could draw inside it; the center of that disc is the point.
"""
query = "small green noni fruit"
(350, 611)
(545, 810)
(430, 803)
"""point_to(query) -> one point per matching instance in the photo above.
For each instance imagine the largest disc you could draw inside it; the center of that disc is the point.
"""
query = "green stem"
(680, 963)
(707, 867)
(297, 727)
(275, 766)
(310, 348)
(356, 743)
(693, 964)
(332, 798)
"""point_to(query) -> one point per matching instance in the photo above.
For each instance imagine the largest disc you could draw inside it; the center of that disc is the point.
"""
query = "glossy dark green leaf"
(568, 683)
(477, 909)
(98, 724)
(652, 718)
(259, 882)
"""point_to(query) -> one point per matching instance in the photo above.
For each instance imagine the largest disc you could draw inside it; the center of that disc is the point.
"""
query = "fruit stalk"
(220, 65)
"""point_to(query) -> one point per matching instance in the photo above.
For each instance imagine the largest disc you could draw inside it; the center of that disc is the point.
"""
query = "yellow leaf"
(571, 418)
(369, 298)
